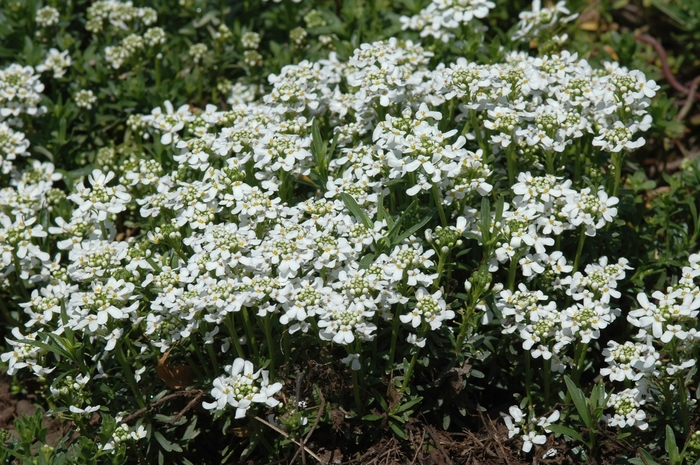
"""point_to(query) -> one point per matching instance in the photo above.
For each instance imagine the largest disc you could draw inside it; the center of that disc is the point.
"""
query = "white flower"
(353, 360)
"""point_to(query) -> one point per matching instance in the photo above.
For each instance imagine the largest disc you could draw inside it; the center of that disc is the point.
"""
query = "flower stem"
(438, 204)
(231, 325)
(466, 322)
(409, 372)
(249, 331)
(356, 390)
(617, 166)
(528, 380)
(547, 380)
(129, 375)
(579, 251)
(270, 345)
(394, 336)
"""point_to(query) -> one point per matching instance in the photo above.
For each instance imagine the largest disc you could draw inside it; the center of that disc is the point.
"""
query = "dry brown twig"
(286, 435)
(302, 448)
(197, 393)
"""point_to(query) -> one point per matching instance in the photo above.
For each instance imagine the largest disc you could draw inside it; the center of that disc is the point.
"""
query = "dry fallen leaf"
(610, 51)
(177, 377)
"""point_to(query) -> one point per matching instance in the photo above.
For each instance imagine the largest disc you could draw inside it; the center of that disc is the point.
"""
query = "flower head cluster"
(85, 98)
(242, 387)
(20, 91)
(530, 430)
(440, 16)
(57, 62)
(12, 143)
(539, 19)
(47, 16)
(658, 361)
(119, 15)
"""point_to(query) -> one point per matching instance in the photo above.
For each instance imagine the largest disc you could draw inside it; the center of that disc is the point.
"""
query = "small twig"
(664, 64)
(198, 393)
(436, 440)
(418, 449)
(311, 431)
(691, 100)
(286, 435)
(187, 408)
(495, 432)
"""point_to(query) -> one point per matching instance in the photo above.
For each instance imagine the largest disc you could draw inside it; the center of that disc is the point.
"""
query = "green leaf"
(372, 417)
(646, 459)
(398, 431)
(165, 444)
(416, 226)
(355, 209)
(581, 403)
(485, 220)
(565, 430)
(409, 404)
(672, 447)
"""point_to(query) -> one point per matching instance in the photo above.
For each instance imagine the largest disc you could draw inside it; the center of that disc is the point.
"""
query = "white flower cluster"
(12, 143)
(56, 62)
(545, 330)
(118, 14)
(85, 98)
(20, 91)
(229, 238)
(662, 350)
(47, 16)
(122, 434)
(533, 22)
(440, 15)
(530, 430)
(242, 387)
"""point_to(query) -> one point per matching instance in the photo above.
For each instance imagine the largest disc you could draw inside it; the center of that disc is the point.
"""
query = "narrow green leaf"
(355, 209)
(565, 430)
(372, 417)
(165, 444)
(485, 220)
(580, 402)
(408, 405)
(398, 431)
(60, 351)
(671, 446)
(416, 226)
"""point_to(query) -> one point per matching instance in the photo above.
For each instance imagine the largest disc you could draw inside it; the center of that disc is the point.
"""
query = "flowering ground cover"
(348, 232)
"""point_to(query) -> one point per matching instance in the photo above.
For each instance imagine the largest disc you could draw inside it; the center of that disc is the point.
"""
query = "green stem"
(549, 160)
(231, 325)
(474, 122)
(212, 358)
(438, 204)
(511, 163)
(528, 380)
(617, 163)
(394, 336)
(466, 322)
(12, 321)
(579, 360)
(579, 251)
(442, 259)
(356, 390)
(512, 270)
(577, 167)
(409, 372)
(126, 368)
(249, 331)
(547, 380)
(270, 346)
(684, 403)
